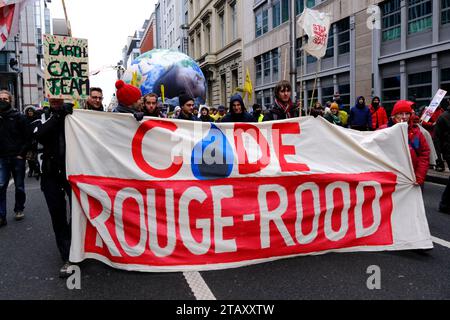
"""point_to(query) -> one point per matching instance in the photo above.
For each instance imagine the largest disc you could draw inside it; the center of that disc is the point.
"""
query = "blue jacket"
(360, 117)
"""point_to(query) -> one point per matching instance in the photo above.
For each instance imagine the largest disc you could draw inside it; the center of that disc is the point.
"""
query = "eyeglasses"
(97, 98)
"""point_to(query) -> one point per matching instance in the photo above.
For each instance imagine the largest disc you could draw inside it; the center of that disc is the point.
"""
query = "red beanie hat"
(402, 106)
(127, 94)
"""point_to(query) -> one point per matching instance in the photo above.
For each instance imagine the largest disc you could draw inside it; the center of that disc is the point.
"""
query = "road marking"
(198, 286)
(441, 242)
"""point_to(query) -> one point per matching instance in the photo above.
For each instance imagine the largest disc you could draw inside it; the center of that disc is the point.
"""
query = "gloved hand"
(66, 108)
(138, 116)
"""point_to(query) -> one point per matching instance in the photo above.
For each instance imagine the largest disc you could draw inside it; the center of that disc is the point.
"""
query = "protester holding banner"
(54, 184)
(94, 101)
(13, 150)
(128, 97)
(442, 141)
(378, 113)
(430, 127)
(360, 117)
(283, 107)
(418, 146)
(151, 108)
(257, 113)
(204, 115)
(334, 115)
(187, 108)
(238, 112)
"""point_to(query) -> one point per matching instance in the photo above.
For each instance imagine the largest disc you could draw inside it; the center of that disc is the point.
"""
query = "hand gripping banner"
(170, 195)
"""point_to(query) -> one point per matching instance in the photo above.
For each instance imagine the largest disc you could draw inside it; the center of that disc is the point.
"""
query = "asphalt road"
(29, 264)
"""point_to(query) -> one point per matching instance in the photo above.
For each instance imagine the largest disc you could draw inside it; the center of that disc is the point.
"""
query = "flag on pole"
(317, 26)
(248, 86)
(9, 18)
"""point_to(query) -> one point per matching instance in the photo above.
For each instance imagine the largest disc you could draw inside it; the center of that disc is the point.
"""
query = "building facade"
(21, 61)
(171, 16)
(398, 49)
(215, 41)
(148, 41)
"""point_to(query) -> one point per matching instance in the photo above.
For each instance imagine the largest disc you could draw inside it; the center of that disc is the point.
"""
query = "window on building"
(223, 91)
(299, 53)
(299, 7)
(276, 14)
(343, 30)
(234, 81)
(261, 22)
(284, 10)
(327, 94)
(234, 22)
(419, 87)
(208, 39)
(445, 80)
(267, 67)
(330, 47)
(391, 21)
(275, 65)
(310, 3)
(258, 67)
(3, 62)
(390, 92)
(344, 91)
(222, 30)
(419, 15)
(445, 11)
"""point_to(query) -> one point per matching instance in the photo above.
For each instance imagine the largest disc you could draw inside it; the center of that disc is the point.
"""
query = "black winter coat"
(52, 137)
(14, 140)
(442, 135)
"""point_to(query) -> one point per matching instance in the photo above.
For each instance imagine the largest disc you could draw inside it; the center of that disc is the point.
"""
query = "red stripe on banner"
(235, 219)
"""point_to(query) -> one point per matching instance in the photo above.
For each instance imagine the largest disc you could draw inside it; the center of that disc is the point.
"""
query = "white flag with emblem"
(9, 18)
(317, 26)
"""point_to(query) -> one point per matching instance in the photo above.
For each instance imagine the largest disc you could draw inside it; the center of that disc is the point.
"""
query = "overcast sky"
(106, 24)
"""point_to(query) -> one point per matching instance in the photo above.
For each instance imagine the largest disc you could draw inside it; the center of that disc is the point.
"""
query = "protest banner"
(173, 195)
(66, 64)
(428, 113)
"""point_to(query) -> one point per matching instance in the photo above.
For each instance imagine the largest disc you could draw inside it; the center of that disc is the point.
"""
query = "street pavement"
(29, 265)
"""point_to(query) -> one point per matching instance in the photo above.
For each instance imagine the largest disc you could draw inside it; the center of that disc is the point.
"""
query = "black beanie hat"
(183, 98)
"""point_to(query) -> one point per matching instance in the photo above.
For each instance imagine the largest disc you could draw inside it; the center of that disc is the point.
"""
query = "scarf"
(287, 109)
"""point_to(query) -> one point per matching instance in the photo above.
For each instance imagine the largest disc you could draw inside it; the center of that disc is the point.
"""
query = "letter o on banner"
(329, 232)
(122, 195)
(139, 157)
(362, 232)
(301, 237)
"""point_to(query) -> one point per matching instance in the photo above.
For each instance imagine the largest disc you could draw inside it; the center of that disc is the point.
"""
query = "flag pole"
(293, 38)
(69, 29)
(315, 85)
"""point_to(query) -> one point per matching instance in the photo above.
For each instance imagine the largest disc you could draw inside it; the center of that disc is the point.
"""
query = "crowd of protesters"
(38, 136)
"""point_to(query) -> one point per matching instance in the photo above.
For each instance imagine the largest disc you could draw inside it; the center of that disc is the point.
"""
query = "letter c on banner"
(139, 157)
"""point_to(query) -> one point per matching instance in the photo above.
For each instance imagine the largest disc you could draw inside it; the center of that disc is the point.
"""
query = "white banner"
(171, 195)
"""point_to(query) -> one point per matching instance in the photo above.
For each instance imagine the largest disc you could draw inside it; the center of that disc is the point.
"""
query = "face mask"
(4, 106)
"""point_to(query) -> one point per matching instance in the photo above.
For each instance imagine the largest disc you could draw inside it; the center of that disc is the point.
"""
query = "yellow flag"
(162, 94)
(134, 80)
(248, 86)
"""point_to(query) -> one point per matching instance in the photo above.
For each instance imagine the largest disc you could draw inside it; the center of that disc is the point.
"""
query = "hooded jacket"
(241, 117)
(378, 114)
(13, 134)
(360, 117)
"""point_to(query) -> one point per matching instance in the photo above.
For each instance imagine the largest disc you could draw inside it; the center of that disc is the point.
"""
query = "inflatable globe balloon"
(175, 71)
